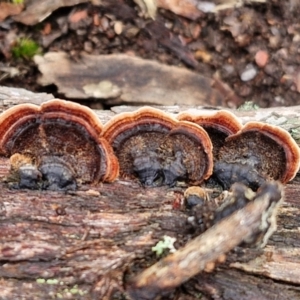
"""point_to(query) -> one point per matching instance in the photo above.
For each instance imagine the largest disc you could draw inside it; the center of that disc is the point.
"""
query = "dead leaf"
(148, 7)
(185, 8)
(47, 29)
(38, 10)
(77, 16)
(9, 9)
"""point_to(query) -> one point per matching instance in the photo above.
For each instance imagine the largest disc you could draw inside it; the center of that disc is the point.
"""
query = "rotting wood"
(80, 245)
(120, 78)
(11, 96)
(210, 247)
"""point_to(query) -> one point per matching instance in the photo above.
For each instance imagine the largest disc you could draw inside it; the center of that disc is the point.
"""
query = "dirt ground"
(253, 46)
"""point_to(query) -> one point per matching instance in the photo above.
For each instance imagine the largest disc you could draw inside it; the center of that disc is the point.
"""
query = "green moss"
(25, 48)
(295, 133)
(17, 1)
(74, 290)
(52, 281)
(248, 105)
(166, 244)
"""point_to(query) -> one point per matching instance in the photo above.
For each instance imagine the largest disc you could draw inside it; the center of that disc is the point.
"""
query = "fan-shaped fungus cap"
(153, 145)
(267, 148)
(195, 195)
(187, 146)
(144, 120)
(61, 129)
(219, 125)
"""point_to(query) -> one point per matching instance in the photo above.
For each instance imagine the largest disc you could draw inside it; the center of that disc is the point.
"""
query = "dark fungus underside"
(256, 150)
(192, 156)
(217, 138)
(137, 146)
(67, 140)
(158, 158)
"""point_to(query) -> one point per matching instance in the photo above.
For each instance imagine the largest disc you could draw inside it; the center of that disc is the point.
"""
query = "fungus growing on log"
(61, 140)
(229, 173)
(195, 195)
(158, 149)
(219, 125)
(268, 150)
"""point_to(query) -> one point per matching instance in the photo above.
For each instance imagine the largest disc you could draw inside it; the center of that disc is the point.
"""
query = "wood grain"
(89, 243)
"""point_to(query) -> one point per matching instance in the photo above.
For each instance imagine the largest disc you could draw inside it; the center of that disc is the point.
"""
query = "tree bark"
(88, 244)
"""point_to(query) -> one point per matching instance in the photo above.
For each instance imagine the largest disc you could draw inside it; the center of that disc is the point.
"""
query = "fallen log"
(89, 243)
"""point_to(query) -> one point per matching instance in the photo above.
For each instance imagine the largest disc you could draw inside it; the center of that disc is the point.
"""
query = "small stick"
(256, 219)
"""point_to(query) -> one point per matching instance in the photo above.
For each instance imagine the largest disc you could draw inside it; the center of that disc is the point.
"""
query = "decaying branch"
(258, 218)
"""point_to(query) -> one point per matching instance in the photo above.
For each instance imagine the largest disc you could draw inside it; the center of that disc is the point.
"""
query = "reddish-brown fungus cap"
(135, 136)
(218, 125)
(11, 121)
(73, 112)
(222, 120)
(144, 142)
(146, 119)
(59, 128)
(269, 149)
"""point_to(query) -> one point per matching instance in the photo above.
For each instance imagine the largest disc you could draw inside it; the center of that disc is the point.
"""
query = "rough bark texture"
(87, 244)
(120, 78)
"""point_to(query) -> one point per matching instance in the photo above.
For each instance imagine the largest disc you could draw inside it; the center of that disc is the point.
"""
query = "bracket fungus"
(267, 151)
(229, 173)
(61, 140)
(195, 195)
(219, 125)
(158, 149)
